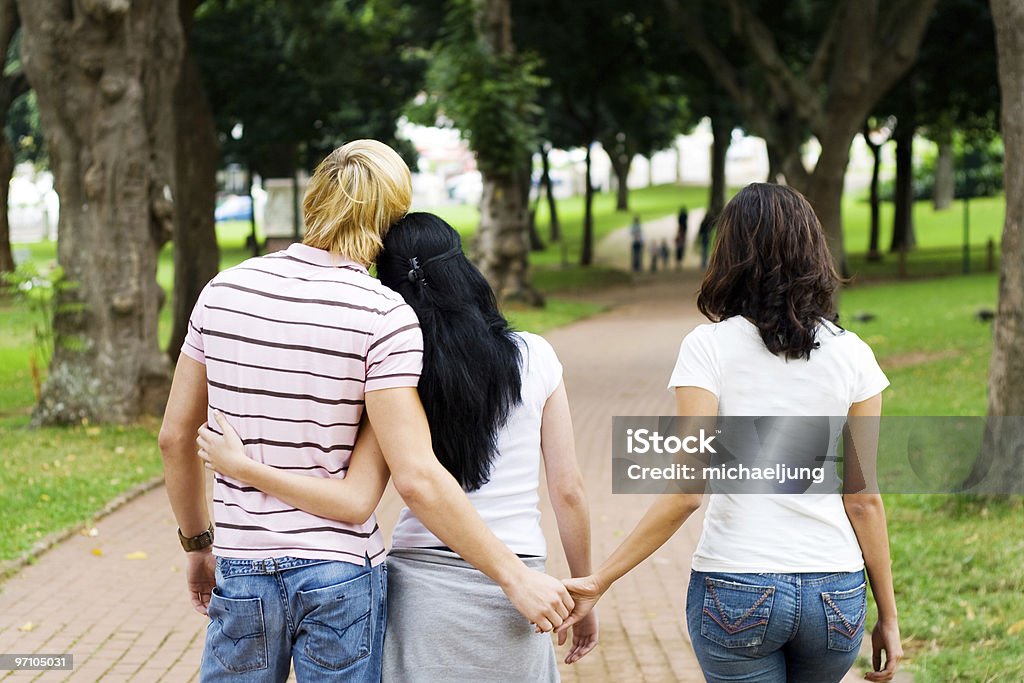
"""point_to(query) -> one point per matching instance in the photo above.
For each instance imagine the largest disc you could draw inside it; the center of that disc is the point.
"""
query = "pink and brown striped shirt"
(291, 342)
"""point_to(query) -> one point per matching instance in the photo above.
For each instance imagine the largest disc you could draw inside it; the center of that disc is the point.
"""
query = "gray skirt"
(447, 621)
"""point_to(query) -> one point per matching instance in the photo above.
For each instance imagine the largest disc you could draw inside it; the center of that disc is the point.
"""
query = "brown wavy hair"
(771, 264)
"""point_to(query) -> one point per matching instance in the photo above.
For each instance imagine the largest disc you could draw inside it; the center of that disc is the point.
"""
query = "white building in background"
(33, 207)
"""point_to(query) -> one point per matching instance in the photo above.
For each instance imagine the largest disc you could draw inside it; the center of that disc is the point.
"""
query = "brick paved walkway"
(129, 619)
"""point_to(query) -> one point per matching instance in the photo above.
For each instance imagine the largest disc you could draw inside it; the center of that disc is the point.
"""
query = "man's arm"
(440, 503)
(184, 474)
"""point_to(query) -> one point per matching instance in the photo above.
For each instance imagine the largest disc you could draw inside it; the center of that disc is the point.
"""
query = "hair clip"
(415, 273)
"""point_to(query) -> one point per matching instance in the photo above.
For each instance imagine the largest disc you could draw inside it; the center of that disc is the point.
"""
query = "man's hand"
(585, 592)
(540, 598)
(885, 636)
(201, 576)
(584, 637)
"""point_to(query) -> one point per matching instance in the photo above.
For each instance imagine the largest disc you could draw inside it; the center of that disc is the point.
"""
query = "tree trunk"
(502, 242)
(621, 169)
(526, 187)
(650, 170)
(903, 199)
(774, 164)
(587, 254)
(6, 171)
(945, 185)
(104, 73)
(721, 136)
(555, 234)
(12, 86)
(1006, 373)
(196, 254)
(825, 190)
(874, 233)
(679, 163)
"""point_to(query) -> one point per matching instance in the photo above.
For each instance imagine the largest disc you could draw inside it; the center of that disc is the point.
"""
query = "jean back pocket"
(735, 614)
(239, 639)
(336, 627)
(845, 612)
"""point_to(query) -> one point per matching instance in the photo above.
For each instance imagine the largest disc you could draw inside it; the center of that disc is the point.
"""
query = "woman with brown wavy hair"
(777, 590)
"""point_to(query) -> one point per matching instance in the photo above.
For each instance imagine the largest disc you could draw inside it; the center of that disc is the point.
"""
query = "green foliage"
(613, 73)
(303, 77)
(488, 95)
(41, 290)
(25, 131)
(977, 170)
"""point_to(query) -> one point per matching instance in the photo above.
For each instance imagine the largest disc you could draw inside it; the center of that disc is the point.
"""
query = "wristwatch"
(203, 540)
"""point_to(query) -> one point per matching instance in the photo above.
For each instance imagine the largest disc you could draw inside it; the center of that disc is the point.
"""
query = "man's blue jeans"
(776, 628)
(327, 617)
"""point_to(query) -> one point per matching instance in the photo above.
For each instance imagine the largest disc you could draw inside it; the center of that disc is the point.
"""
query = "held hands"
(540, 598)
(585, 592)
(200, 575)
(584, 637)
(223, 453)
(885, 636)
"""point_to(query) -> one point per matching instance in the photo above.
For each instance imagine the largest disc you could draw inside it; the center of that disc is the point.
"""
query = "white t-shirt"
(782, 533)
(509, 501)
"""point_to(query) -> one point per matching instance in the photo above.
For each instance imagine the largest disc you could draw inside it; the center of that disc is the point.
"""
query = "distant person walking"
(664, 253)
(707, 226)
(636, 233)
(684, 220)
(654, 252)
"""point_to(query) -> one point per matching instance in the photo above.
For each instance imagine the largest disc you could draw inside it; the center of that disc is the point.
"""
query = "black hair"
(471, 377)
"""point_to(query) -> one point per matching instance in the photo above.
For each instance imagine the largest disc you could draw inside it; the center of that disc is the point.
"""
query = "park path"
(116, 600)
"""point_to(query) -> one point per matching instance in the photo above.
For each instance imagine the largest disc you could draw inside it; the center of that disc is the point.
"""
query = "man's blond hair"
(354, 196)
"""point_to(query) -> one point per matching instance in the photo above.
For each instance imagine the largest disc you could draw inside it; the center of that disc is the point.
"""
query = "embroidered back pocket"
(845, 612)
(735, 614)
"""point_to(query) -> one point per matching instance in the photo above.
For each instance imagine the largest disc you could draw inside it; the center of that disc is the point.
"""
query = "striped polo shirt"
(291, 342)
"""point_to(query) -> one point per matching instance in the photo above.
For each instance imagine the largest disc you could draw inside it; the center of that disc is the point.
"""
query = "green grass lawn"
(959, 578)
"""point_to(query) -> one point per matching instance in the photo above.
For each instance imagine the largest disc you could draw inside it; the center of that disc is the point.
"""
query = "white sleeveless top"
(509, 501)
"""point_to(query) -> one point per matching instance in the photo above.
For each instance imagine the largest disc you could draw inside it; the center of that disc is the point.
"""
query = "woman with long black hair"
(497, 410)
(777, 591)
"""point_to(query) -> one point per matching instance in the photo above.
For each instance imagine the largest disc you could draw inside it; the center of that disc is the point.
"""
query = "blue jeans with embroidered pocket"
(322, 617)
(776, 628)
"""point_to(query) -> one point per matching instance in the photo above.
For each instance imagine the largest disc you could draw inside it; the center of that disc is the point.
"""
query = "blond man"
(297, 349)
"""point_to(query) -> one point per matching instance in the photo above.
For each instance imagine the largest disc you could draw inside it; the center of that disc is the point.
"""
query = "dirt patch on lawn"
(906, 360)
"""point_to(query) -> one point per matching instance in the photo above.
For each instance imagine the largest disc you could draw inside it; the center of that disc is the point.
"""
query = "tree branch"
(823, 53)
(789, 88)
(8, 24)
(897, 51)
(722, 70)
